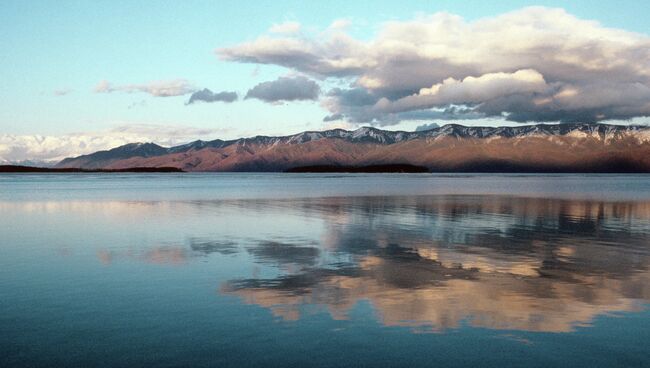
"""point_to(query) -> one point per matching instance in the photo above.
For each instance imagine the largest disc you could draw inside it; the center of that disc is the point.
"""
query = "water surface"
(324, 270)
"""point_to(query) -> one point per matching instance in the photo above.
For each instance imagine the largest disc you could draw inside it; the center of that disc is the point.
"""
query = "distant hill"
(32, 169)
(452, 147)
(391, 168)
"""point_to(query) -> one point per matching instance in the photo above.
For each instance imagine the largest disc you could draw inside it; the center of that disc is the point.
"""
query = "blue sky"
(71, 46)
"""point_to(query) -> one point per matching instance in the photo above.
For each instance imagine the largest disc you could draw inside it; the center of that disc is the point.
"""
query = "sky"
(78, 76)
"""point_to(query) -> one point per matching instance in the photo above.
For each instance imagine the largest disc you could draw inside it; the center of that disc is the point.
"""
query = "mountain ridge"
(369, 145)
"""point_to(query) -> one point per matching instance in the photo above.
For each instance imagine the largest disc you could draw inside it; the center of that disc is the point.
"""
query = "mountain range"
(452, 147)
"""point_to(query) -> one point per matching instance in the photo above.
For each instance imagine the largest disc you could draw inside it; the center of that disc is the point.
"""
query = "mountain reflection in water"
(257, 270)
(426, 262)
(437, 262)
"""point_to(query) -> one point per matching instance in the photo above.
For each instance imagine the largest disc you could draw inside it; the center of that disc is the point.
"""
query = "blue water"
(239, 270)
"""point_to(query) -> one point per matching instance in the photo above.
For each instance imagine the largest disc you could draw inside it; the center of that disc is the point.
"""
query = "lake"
(324, 270)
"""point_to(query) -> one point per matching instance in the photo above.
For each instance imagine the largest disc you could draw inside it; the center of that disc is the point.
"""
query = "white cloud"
(583, 71)
(167, 88)
(16, 148)
(470, 90)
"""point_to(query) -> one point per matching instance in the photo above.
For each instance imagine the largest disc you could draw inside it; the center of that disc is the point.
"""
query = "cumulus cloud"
(165, 88)
(470, 90)
(206, 95)
(361, 106)
(532, 64)
(285, 89)
(17, 148)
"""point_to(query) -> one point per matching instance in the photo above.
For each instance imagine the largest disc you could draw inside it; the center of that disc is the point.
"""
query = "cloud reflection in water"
(429, 262)
(493, 262)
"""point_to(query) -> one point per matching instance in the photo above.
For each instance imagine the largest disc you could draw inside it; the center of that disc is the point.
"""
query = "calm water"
(324, 270)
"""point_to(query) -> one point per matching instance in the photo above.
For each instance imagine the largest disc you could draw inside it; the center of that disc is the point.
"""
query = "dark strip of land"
(391, 168)
(30, 169)
(609, 165)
